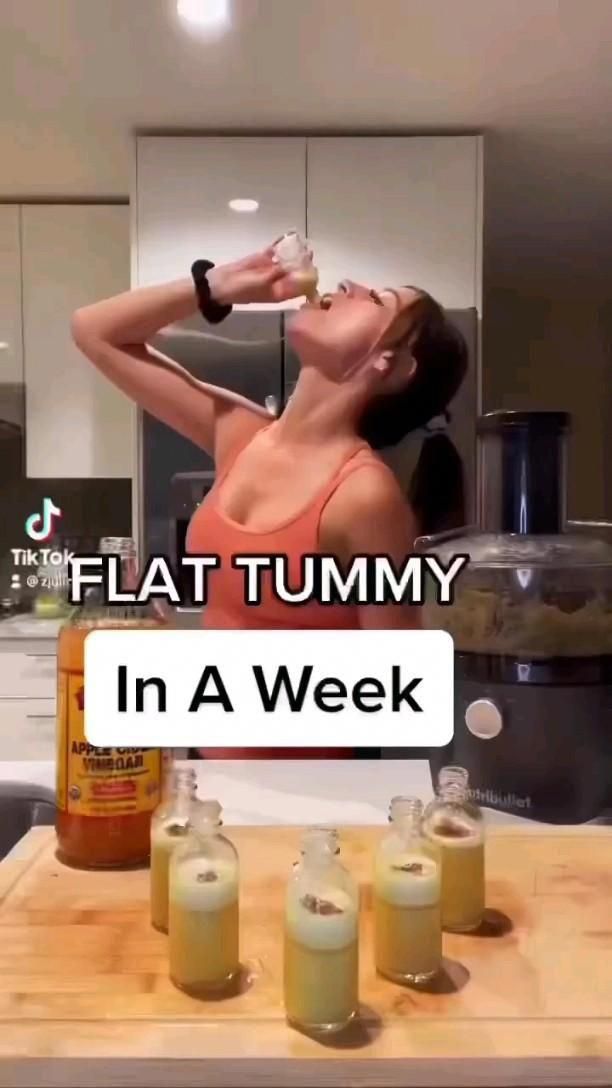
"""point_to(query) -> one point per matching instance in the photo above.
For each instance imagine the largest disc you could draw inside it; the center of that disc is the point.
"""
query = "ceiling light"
(243, 205)
(204, 15)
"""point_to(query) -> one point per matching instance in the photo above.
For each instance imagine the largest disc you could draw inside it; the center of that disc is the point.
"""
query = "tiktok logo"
(40, 526)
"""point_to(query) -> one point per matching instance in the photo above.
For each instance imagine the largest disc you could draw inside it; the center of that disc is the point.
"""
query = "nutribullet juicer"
(531, 621)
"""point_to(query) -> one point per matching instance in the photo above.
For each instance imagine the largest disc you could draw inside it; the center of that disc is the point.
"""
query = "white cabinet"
(77, 424)
(183, 188)
(387, 211)
(27, 705)
(11, 365)
(27, 729)
(27, 675)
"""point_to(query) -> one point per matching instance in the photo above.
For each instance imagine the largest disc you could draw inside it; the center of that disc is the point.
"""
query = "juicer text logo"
(40, 527)
(366, 580)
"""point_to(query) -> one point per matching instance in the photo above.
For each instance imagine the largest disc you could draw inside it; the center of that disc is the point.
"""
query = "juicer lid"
(584, 545)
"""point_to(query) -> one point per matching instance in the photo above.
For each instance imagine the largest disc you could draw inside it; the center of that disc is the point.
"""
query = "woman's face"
(350, 329)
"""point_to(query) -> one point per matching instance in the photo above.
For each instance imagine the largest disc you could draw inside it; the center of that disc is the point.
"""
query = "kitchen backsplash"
(89, 509)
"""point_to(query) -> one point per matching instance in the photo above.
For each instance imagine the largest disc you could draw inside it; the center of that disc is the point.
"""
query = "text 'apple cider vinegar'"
(105, 796)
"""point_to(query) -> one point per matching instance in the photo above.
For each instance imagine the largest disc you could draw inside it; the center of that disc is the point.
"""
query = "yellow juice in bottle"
(321, 952)
(203, 916)
(169, 827)
(460, 851)
(454, 829)
(203, 926)
(406, 900)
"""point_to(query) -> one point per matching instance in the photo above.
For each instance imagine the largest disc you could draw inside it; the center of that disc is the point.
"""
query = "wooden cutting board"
(85, 998)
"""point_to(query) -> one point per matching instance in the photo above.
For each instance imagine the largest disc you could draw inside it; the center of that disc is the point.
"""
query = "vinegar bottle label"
(100, 781)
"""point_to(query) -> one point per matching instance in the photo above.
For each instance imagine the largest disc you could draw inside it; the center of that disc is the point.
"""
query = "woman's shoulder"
(368, 500)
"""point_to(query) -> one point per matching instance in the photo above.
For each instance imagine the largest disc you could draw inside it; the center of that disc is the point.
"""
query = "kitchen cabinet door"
(387, 211)
(183, 188)
(77, 424)
(11, 365)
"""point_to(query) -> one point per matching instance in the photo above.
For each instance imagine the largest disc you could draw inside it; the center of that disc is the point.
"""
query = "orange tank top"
(211, 532)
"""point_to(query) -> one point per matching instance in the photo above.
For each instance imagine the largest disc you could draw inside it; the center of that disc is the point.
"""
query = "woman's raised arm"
(114, 335)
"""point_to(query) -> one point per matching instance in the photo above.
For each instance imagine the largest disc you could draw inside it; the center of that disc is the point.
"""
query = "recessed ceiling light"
(204, 15)
(243, 205)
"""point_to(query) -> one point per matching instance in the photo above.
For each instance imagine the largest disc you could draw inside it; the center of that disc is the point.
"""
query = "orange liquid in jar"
(105, 796)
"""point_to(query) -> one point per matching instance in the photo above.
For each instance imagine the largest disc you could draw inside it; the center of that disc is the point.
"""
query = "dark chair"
(23, 805)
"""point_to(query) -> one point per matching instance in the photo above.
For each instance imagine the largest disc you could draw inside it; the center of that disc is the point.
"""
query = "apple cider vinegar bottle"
(105, 796)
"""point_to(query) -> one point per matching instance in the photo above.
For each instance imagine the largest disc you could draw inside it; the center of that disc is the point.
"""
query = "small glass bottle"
(454, 828)
(323, 829)
(203, 917)
(406, 895)
(293, 253)
(321, 960)
(169, 827)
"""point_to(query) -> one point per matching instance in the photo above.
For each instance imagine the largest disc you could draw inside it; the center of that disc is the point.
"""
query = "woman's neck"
(319, 410)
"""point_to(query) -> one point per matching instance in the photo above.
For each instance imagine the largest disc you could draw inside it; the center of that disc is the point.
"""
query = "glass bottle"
(203, 917)
(169, 827)
(406, 899)
(321, 959)
(105, 796)
(293, 253)
(323, 829)
(454, 828)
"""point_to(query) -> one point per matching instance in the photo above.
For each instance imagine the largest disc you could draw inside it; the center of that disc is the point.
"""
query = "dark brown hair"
(437, 489)
(441, 356)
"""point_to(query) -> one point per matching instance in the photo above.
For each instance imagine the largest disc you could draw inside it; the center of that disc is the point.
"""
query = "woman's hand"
(258, 278)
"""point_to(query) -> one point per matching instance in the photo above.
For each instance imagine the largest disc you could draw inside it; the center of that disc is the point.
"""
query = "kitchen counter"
(256, 792)
(86, 1000)
(26, 633)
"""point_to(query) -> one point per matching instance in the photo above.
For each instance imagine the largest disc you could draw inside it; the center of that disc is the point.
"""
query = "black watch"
(211, 311)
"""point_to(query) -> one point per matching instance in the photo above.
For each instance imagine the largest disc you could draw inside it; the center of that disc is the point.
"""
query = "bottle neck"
(453, 783)
(181, 788)
(125, 548)
(319, 848)
(405, 814)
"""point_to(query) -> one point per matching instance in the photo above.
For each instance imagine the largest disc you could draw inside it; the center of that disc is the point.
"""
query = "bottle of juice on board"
(321, 960)
(169, 827)
(454, 828)
(406, 899)
(105, 796)
(203, 917)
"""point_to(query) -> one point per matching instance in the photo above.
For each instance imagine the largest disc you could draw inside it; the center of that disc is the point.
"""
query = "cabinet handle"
(40, 657)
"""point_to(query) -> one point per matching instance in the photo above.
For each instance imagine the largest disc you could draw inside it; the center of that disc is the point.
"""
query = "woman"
(374, 366)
